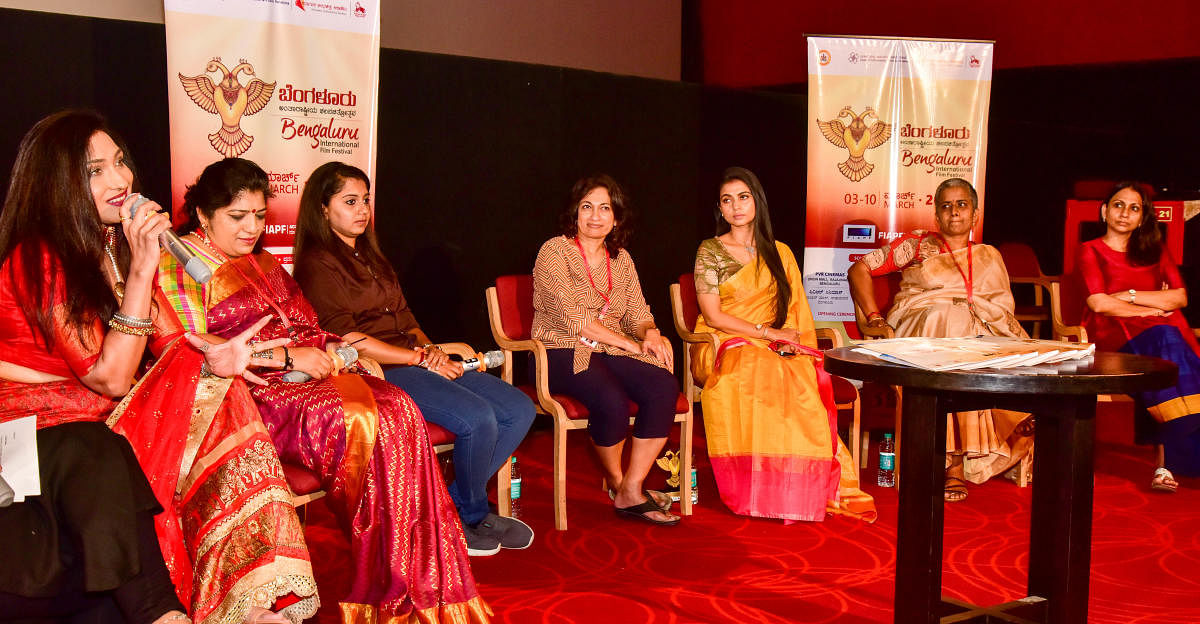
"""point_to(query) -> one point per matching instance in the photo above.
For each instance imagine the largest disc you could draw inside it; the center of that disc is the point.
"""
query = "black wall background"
(476, 156)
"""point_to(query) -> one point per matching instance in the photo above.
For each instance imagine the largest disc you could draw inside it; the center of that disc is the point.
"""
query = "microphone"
(170, 241)
(483, 361)
(343, 357)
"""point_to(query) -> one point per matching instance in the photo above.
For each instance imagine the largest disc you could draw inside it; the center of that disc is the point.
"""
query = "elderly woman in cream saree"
(769, 417)
(953, 287)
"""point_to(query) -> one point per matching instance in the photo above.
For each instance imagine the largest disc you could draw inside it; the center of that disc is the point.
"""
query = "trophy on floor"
(670, 463)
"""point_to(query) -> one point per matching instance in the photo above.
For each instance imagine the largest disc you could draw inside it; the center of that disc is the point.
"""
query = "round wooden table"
(1063, 402)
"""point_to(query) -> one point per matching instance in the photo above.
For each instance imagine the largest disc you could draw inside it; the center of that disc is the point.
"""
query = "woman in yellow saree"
(769, 417)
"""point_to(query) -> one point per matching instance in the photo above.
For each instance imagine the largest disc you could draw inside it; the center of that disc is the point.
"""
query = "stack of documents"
(948, 354)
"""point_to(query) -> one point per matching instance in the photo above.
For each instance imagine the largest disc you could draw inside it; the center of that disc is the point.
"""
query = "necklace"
(110, 244)
(751, 250)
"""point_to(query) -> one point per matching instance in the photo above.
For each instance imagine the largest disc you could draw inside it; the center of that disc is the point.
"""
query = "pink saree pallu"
(364, 437)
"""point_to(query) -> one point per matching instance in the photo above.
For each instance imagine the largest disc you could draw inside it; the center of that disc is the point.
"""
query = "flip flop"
(612, 495)
(1164, 481)
(955, 490)
(640, 510)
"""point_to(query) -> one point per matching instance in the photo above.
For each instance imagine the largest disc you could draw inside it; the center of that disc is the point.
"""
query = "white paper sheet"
(18, 457)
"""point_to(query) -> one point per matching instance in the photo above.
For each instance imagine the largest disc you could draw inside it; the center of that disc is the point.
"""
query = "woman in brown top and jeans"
(603, 348)
(356, 295)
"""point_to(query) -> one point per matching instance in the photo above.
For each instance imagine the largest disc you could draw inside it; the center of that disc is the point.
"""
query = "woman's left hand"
(656, 344)
(234, 356)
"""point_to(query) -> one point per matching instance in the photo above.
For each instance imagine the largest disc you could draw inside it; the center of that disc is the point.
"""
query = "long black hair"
(1145, 242)
(764, 238)
(313, 231)
(50, 207)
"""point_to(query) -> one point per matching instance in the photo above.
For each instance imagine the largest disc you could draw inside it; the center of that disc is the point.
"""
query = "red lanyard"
(608, 266)
(969, 276)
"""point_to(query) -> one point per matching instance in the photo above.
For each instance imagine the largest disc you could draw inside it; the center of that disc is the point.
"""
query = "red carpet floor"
(718, 567)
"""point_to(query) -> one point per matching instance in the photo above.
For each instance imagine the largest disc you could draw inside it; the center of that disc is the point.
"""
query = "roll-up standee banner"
(289, 84)
(889, 119)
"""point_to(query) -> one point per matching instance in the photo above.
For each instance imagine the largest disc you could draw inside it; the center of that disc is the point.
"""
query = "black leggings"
(606, 389)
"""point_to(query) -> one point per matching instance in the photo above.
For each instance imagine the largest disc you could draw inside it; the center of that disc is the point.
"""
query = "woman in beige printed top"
(603, 347)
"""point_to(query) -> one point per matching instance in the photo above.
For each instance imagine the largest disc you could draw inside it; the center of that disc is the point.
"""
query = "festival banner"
(289, 84)
(889, 119)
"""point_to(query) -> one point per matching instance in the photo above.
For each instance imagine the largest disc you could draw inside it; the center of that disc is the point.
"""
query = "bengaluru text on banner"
(289, 85)
(889, 119)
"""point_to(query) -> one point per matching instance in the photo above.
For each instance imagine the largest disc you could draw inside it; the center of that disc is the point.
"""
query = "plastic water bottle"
(695, 490)
(887, 462)
(514, 491)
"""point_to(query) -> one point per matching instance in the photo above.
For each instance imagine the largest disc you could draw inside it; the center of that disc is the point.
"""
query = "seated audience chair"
(886, 287)
(1023, 268)
(510, 310)
(685, 311)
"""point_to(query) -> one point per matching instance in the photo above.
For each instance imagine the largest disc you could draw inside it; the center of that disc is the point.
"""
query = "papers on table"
(946, 354)
(18, 457)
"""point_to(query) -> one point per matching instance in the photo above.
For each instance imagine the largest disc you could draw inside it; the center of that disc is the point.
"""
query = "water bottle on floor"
(887, 462)
(514, 491)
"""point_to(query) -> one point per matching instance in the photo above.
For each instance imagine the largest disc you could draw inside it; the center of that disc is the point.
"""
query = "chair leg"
(685, 465)
(560, 477)
(864, 446)
(504, 489)
(856, 448)
(899, 420)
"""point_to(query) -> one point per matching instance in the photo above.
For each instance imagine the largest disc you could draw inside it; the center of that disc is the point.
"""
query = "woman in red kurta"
(1135, 301)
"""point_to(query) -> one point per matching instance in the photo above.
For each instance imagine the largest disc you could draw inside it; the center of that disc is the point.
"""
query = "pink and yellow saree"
(362, 435)
(771, 428)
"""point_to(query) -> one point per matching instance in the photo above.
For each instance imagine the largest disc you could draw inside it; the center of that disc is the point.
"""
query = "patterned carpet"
(718, 567)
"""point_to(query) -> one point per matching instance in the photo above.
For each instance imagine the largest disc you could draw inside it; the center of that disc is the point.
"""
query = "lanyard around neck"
(969, 276)
(588, 268)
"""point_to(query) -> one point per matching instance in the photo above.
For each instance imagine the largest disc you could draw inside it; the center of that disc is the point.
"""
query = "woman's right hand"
(315, 362)
(142, 232)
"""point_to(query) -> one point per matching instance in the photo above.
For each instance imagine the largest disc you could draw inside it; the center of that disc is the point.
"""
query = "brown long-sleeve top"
(351, 296)
(564, 300)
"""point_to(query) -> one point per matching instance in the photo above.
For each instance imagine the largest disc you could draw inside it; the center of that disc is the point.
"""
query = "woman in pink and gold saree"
(952, 287)
(769, 415)
(364, 437)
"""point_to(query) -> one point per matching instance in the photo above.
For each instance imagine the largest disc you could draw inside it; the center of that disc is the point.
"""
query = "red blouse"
(1106, 271)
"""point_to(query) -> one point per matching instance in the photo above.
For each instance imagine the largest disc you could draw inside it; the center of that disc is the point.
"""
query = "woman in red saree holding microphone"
(363, 436)
(769, 418)
(73, 259)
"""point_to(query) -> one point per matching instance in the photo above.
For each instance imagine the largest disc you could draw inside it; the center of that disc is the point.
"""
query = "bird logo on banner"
(231, 101)
(857, 138)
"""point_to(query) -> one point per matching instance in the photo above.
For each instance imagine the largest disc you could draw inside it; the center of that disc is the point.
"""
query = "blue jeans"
(488, 417)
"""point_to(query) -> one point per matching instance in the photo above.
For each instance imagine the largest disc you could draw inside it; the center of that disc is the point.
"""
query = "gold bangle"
(132, 331)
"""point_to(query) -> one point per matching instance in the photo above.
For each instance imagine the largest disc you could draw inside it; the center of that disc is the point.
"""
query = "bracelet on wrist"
(873, 315)
(129, 329)
(288, 364)
(132, 321)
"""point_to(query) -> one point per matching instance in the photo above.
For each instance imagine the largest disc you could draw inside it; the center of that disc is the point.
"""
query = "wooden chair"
(306, 486)
(685, 311)
(1023, 268)
(510, 310)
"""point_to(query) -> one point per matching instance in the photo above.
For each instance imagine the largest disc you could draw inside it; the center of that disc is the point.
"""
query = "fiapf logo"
(359, 11)
(230, 100)
(823, 57)
(856, 138)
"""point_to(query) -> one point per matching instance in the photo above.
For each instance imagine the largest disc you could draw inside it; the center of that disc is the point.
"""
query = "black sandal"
(640, 510)
(666, 506)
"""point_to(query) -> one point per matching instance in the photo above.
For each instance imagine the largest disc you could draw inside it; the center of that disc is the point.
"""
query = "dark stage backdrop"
(476, 156)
